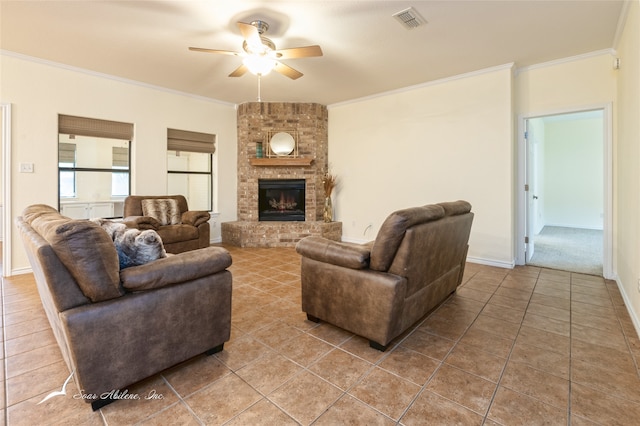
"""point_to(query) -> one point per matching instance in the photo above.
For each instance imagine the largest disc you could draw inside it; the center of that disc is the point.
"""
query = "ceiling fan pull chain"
(259, 100)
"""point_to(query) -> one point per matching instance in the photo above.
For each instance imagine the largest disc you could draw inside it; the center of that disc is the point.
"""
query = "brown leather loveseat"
(380, 289)
(116, 327)
(189, 229)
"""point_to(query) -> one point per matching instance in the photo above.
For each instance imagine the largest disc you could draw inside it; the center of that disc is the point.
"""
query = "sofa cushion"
(349, 255)
(195, 217)
(32, 212)
(178, 233)
(165, 210)
(176, 269)
(454, 208)
(392, 232)
(90, 256)
(142, 222)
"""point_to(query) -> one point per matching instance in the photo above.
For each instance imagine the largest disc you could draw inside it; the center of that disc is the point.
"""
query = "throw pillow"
(134, 247)
(137, 247)
(164, 210)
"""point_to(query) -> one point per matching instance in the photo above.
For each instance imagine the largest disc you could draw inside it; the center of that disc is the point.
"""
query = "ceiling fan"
(260, 53)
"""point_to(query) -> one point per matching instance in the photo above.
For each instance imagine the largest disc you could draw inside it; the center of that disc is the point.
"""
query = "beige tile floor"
(522, 346)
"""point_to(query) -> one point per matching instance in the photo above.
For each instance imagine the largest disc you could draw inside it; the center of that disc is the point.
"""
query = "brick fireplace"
(256, 122)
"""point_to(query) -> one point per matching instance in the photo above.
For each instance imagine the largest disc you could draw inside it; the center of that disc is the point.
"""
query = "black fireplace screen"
(281, 199)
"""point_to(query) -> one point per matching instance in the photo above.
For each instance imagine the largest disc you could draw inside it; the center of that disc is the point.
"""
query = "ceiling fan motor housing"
(267, 43)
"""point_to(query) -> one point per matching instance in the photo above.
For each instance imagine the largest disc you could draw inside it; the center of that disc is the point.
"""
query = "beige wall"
(444, 141)
(38, 92)
(627, 165)
(570, 85)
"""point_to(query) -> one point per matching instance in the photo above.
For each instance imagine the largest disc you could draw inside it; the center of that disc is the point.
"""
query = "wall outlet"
(26, 167)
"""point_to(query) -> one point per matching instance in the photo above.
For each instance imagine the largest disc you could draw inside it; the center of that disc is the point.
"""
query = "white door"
(530, 191)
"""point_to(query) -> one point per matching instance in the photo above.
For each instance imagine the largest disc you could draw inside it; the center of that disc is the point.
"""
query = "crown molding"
(567, 60)
(71, 68)
(426, 84)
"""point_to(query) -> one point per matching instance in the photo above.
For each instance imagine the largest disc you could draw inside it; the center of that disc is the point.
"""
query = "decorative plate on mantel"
(282, 143)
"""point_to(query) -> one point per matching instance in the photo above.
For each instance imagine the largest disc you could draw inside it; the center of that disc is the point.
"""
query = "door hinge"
(526, 135)
(526, 186)
(526, 240)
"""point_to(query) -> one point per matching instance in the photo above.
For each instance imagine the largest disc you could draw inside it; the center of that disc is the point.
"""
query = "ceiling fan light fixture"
(259, 64)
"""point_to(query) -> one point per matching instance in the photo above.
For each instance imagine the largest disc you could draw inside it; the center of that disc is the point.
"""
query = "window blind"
(120, 156)
(70, 125)
(183, 140)
(67, 153)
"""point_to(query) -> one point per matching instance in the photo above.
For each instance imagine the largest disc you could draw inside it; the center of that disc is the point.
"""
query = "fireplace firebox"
(281, 199)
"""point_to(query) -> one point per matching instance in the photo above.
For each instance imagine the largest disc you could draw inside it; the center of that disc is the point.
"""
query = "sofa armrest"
(175, 269)
(349, 255)
(142, 222)
(195, 217)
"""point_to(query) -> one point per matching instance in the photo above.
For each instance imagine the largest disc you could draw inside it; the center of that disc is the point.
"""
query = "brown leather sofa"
(116, 327)
(380, 289)
(190, 234)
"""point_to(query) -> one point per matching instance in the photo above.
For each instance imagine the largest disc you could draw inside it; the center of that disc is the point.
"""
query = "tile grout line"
(508, 358)
(570, 349)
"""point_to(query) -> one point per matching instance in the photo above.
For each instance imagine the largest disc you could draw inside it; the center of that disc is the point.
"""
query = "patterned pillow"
(164, 210)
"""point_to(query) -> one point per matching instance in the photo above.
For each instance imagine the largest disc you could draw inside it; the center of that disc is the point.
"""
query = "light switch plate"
(26, 167)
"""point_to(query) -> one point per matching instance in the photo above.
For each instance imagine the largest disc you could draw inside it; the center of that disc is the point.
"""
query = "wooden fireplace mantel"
(281, 162)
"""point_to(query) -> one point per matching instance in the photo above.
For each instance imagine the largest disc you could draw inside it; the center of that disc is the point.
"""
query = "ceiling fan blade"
(240, 71)
(250, 34)
(224, 52)
(287, 70)
(298, 52)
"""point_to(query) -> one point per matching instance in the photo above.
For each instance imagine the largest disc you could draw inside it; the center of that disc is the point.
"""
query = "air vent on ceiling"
(409, 18)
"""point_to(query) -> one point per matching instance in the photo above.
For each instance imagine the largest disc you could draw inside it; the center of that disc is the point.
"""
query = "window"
(67, 159)
(190, 167)
(93, 162)
(120, 180)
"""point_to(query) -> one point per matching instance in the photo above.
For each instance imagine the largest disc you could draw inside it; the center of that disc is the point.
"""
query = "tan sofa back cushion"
(133, 203)
(393, 229)
(84, 248)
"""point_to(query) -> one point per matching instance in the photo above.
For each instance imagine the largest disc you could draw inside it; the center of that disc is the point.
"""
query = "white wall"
(444, 141)
(39, 92)
(573, 181)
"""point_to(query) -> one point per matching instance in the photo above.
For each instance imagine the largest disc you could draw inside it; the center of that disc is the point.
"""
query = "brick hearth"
(255, 121)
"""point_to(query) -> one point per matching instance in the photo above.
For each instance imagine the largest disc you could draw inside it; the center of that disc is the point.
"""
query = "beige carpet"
(569, 249)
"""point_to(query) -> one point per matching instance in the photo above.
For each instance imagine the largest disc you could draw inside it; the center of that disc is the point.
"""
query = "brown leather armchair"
(189, 232)
(380, 289)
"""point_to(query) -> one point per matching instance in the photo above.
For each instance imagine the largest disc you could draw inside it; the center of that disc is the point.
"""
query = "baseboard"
(21, 271)
(490, 262)
(564, 225)
(627, 304)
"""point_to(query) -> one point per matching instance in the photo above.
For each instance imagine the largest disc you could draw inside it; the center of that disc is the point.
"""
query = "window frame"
(196, 173)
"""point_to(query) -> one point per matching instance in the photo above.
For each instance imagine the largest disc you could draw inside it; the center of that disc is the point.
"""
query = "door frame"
(7, 223)
(523, 178)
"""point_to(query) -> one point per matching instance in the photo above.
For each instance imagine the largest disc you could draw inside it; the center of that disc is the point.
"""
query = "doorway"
(566, 195)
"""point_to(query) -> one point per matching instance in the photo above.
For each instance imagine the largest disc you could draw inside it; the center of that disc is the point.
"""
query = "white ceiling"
(366, 51)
